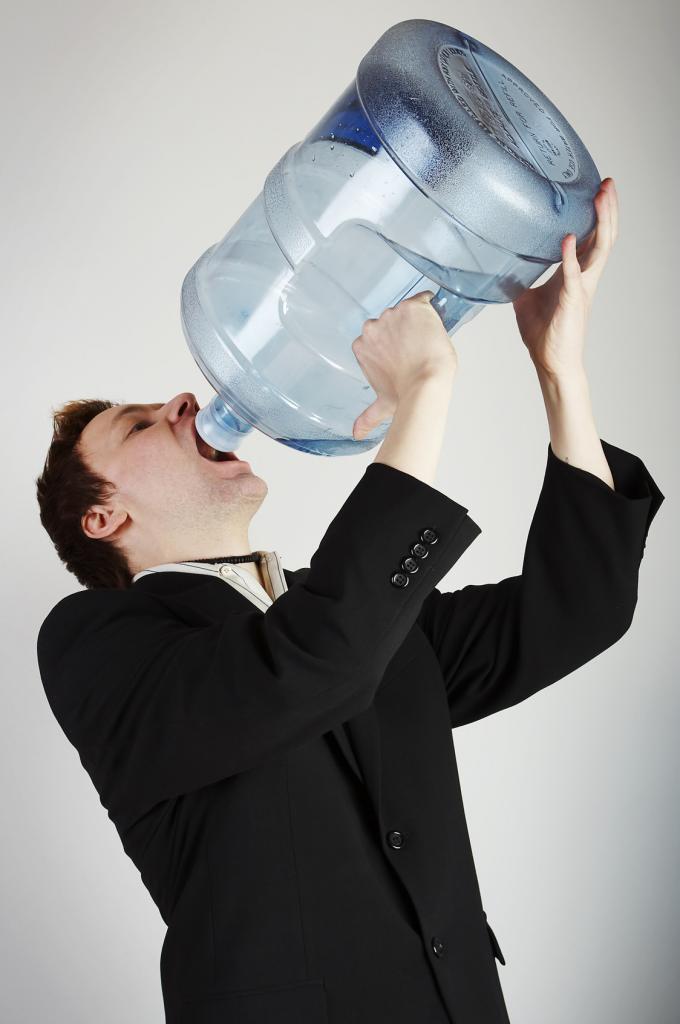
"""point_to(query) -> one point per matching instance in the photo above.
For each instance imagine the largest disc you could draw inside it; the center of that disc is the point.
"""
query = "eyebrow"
(127, 410)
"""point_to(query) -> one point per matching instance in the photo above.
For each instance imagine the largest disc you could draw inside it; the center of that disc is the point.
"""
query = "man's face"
(168, 496)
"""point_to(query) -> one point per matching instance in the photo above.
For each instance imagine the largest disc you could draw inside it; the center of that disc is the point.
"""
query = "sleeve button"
(399, 579)
(429, 536)
(410, 564)
(419, 550)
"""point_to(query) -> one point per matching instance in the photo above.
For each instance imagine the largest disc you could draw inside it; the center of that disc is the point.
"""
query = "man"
(276, 753)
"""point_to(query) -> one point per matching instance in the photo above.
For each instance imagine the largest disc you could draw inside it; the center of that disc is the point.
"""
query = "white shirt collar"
(234, 574)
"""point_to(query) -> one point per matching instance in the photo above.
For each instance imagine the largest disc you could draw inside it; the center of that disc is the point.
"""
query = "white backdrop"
(134, 134)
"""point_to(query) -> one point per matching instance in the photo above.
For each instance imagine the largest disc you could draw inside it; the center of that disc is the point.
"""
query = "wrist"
(559, 387)
(414, 439)
(428, 381)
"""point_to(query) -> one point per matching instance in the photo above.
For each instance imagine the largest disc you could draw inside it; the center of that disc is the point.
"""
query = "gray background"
(133, 136)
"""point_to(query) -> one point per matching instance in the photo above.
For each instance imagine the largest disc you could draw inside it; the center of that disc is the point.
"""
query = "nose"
(184, 404)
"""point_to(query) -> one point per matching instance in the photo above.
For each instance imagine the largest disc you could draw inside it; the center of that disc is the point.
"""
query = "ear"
(101, 521)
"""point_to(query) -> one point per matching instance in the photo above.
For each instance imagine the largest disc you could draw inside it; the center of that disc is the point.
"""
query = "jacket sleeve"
(157, 707)
(499, 643)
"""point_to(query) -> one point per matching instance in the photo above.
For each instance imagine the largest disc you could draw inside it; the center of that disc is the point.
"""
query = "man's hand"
(552, 318)
(405, 345)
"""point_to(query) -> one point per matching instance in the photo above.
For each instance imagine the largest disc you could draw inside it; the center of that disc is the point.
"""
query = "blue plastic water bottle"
(440, 167)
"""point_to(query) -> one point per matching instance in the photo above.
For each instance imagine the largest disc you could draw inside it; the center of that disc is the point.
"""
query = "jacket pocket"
(297, 1002)
(494, 942)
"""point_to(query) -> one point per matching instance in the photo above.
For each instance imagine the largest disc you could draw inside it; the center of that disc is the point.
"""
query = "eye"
(139, 423)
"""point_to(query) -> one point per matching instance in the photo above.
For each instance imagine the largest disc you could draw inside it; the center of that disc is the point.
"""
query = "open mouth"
(211, 454)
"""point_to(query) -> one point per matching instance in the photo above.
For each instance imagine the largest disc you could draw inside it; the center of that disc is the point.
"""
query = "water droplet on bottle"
(374, 149)
(313, 157)
(351, 174)
(332, 147)
(332, 135)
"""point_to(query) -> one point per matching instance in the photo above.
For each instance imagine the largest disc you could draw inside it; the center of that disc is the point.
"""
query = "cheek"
(148, 475)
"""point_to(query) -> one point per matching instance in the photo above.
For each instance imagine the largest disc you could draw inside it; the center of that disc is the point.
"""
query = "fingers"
(586, 244)
(608, 208)
(372, 417)
(614, 204)
(571, 270)
(603, 233)
(597, 245)
(425, 296)
(587, 261)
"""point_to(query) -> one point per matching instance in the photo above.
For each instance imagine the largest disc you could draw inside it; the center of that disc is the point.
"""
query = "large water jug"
(441, 167)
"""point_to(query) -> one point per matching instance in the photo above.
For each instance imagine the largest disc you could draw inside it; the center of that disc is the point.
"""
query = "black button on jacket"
(285, 781)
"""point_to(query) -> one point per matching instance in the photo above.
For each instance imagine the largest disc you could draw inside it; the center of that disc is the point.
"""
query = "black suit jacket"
(285, 781)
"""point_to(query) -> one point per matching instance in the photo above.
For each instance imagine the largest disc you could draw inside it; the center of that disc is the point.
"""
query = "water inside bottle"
(366, 239)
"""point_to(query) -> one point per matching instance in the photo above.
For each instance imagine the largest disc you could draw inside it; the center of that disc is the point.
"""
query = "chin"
(249, 480)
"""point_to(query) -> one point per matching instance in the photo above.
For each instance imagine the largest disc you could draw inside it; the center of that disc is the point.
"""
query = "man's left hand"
(552, 318)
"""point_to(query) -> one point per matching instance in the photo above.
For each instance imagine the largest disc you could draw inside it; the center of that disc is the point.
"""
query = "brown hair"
(66, 489)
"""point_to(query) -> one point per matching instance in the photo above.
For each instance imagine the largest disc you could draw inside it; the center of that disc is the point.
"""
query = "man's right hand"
(406, 345)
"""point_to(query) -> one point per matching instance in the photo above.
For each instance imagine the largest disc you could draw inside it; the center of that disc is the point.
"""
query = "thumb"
(370, 418)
